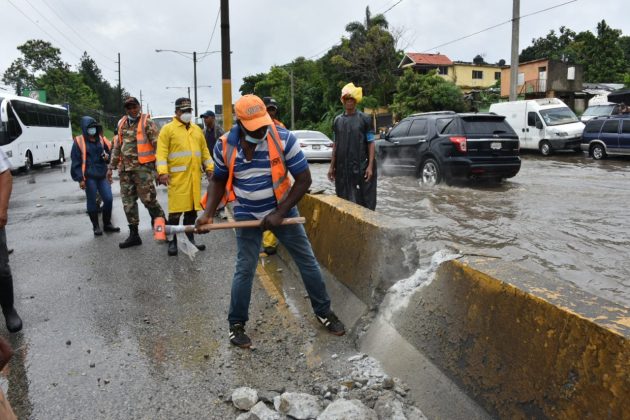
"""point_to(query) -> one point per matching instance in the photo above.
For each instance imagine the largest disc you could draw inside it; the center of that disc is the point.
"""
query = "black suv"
(446, 146)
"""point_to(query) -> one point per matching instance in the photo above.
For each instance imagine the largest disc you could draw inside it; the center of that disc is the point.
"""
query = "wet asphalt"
(135, 334)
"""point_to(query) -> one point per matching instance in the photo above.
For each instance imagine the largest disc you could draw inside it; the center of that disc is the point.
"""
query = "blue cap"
(208, 114)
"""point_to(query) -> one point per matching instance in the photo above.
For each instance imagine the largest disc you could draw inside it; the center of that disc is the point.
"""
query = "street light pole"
(194, 59)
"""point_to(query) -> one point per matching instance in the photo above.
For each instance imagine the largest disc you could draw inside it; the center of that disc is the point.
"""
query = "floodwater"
(566, 216)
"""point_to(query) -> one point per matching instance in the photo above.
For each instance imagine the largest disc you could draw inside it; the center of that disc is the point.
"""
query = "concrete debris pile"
(367, 393)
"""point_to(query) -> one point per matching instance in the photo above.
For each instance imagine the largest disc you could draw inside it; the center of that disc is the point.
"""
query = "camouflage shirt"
(125, 155)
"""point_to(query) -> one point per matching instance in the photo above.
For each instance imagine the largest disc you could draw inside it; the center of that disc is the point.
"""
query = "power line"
(212, 34)
(328, 48)
(76, 33)
(42, 29)
(497, 25)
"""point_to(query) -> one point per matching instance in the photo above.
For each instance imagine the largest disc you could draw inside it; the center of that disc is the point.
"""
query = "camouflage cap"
(131, 100)
(182, 104)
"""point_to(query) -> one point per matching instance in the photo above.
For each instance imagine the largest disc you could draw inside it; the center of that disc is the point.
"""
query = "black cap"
(208, 113)
(131, 101)
(270, 102)
(183, 103)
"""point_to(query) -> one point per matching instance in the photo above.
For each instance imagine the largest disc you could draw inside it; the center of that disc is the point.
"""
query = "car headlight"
(562, 134)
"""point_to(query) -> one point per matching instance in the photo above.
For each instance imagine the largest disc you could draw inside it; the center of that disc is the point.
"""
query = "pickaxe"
(161, 229)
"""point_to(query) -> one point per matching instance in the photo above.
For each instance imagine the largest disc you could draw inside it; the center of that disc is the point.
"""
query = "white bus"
(32, 132)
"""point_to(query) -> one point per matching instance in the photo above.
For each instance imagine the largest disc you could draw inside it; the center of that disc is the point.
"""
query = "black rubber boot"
(95, 226)
(191, 238)
(11, 317)
(133, 239)
(172, 246)
(107, 222)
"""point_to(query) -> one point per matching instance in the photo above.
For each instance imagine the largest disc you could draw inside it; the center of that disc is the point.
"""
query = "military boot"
(107, 222)
(95, 226)
(11, 317)
(172, 246)
(191, 238)
(133, 239)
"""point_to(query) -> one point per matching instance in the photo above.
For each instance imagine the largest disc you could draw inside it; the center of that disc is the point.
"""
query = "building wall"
(530, 70)
(462, 75)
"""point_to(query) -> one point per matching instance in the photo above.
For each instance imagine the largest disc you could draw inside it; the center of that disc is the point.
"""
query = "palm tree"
(359, 30)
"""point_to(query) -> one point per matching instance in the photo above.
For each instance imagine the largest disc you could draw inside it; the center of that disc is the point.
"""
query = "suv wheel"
(598, 152)
(430, 172)
(545, 148)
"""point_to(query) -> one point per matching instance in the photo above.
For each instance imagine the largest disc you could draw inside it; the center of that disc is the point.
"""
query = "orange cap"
(252, 112)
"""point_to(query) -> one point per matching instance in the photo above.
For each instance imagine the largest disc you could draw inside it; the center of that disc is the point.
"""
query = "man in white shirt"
(13, 321)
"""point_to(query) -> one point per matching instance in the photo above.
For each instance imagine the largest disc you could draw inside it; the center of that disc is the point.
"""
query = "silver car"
(315, 145)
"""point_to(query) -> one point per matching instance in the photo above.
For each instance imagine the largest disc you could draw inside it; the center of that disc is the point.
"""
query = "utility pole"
(292, 103)
(226, 68)
(195, 98)
(516, 7)
(195, 81)
(119, 84)
(140, 100)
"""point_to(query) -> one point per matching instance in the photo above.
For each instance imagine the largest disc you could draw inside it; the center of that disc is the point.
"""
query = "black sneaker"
(238, 336)
(332, 323)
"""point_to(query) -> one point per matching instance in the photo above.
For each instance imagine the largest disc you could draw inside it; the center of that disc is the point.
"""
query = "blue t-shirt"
(253, 186)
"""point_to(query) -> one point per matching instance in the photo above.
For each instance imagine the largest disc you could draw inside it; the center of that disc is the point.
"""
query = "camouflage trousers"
(139, 184)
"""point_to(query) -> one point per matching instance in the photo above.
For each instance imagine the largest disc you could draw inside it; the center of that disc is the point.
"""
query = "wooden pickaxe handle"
(170, 229)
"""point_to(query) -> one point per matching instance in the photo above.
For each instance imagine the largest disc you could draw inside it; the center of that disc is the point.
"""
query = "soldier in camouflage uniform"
(133, 154)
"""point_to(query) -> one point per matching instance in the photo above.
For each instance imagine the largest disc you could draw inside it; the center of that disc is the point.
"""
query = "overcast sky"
(268, 32)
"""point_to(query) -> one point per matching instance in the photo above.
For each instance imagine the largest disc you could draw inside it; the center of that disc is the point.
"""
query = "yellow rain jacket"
(181, 153)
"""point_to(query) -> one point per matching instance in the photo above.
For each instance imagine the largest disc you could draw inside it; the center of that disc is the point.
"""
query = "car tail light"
(329, 144)
(460, 143)
(303, 144)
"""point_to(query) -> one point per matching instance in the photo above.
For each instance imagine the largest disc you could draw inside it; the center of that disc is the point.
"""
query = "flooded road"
(565, 216)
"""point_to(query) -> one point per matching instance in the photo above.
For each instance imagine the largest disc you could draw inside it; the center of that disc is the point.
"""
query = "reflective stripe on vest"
(146, 152)
(81, 143)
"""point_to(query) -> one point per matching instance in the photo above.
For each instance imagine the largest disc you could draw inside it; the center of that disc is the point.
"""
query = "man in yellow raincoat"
(181, 154)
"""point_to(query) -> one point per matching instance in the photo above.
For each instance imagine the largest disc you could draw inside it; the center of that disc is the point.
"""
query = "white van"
(542, 124)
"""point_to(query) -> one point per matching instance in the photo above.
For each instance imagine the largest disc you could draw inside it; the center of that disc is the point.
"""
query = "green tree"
(552, 46)
(38, 57)
(65, 86)
(606, 61)
(426, 92)
(479, 59)
(108, 95)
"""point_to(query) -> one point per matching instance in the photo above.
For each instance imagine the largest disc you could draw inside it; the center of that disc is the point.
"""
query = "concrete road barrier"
(364, 250)
(522, 346)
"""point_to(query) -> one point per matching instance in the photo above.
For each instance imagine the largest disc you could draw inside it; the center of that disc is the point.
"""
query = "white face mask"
(91, 131)
(254, 140)
(186, 117)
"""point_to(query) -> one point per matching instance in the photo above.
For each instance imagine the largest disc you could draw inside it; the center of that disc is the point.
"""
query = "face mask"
(254, 140)
(131, 119)
(185, 117)
(91, 131)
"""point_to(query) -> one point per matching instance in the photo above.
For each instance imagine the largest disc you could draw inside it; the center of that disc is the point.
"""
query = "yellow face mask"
(351, 90)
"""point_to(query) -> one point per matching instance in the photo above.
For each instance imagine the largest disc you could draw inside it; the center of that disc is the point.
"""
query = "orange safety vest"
(279, 174)
(81, 143)
(146, 151)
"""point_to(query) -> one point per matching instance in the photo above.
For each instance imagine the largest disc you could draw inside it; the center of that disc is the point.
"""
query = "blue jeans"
(294, 239)
(102, 186)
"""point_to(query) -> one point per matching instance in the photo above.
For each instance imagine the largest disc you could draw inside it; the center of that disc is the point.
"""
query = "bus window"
(14, 130)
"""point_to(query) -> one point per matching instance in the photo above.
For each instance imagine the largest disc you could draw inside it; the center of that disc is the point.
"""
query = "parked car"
(315, 145)
(161, 120)
(542, 124)
(605, 136)
(600, 110)
(439, 146)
